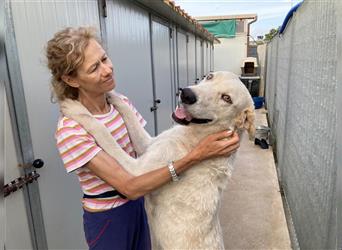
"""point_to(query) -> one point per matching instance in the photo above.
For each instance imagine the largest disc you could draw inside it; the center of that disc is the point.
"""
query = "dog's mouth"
(183, 117)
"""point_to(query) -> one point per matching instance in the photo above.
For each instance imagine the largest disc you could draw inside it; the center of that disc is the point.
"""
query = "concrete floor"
(252, 214)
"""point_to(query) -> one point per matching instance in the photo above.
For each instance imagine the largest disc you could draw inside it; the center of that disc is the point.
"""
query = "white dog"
(183, 214)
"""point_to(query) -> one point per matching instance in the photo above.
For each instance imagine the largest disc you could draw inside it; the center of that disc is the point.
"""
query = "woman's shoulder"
(67, 126)
(64, 121)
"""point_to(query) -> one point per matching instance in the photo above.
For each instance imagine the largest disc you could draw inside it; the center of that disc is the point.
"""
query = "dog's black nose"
(188, 96)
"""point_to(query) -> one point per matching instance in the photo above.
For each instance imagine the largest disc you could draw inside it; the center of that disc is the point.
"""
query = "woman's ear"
(245, 120)
(71, 81)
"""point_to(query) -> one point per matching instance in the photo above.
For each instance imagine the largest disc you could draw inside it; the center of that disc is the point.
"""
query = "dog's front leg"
(138, 135)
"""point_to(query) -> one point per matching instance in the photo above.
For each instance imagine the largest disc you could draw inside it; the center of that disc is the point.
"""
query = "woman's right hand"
(219, 144)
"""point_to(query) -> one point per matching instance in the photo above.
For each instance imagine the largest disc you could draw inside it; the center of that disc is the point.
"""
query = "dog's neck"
(202, 130)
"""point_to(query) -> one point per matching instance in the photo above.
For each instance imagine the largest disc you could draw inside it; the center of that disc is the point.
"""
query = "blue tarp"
(288, 17)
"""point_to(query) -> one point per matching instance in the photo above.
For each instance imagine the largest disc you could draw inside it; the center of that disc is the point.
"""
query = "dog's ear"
(245, 120)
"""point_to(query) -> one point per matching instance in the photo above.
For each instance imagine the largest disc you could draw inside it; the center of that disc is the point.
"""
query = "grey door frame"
(21, 132)
(338, 156)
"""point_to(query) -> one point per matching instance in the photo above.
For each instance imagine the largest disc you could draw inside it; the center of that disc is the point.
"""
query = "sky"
(271, 13)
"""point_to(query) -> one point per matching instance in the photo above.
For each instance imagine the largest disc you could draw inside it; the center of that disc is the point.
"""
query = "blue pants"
(123, 228)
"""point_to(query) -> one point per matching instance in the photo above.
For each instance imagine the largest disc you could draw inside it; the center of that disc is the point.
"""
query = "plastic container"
(258, 101)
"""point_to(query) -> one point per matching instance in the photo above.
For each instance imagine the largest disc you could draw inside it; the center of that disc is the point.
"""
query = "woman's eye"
(94, 68)
(210, 76)
(104, 59)
(227, 99)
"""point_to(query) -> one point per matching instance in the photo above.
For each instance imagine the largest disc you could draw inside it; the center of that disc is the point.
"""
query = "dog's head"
(220, 99)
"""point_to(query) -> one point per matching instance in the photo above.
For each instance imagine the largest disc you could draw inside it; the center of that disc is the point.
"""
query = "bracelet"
(172, 171)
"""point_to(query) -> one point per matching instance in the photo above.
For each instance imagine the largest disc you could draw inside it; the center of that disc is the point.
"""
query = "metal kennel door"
(164, 94)
(182, 56)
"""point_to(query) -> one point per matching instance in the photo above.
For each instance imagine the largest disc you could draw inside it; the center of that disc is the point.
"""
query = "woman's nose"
(107, 69)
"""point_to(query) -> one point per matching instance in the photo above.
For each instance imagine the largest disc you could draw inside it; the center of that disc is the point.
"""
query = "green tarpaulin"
(226, 28)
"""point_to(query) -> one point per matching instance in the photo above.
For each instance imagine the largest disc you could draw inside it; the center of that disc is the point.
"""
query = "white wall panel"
(205, 57)
(182, 60)
(229, 53)
(161, 47)
(211, 57)
(35, 22)
(199, 59)
(128, 33)
(191, 59)
(208, 57)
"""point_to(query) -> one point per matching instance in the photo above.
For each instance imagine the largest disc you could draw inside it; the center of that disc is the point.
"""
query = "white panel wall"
(191, 59)
(262, 60)
(229, 54)
(205, 58)
(199, 59)
(161, 47)
(182, 60)
(35, 22)
(128, 33)
(209, 56)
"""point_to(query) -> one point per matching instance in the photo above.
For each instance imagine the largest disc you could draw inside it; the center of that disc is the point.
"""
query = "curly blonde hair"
(65, 54)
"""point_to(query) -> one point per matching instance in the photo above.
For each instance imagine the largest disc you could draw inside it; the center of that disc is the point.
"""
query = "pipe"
(248, 30)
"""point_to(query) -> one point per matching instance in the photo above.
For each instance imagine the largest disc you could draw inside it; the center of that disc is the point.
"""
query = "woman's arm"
(133, 187)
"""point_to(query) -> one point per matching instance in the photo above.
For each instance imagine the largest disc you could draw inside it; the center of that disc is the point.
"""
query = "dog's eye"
(227, 98)
(210, 76)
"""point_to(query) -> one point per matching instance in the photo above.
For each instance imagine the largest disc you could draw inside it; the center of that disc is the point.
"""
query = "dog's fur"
(183, 214)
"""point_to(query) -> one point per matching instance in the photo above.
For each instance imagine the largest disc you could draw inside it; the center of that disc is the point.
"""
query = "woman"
(114, 215)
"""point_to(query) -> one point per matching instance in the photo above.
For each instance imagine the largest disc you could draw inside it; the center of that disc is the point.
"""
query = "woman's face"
(95, 75)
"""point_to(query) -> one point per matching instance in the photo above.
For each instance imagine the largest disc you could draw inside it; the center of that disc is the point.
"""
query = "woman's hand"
(219, 144)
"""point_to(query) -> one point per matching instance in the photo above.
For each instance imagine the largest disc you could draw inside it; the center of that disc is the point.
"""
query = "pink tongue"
(182, 114)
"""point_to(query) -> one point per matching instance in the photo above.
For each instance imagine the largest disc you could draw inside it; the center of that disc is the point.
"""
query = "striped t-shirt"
(77, 147)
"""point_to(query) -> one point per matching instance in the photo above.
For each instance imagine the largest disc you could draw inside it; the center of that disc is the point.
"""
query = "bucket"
(258, 102)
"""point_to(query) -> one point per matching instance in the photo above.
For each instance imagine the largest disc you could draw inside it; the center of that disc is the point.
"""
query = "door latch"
(19, 182)
(155, 107)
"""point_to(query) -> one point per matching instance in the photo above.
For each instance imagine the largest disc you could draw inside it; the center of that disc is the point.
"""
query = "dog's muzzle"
(188, 96)
(180, 115)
